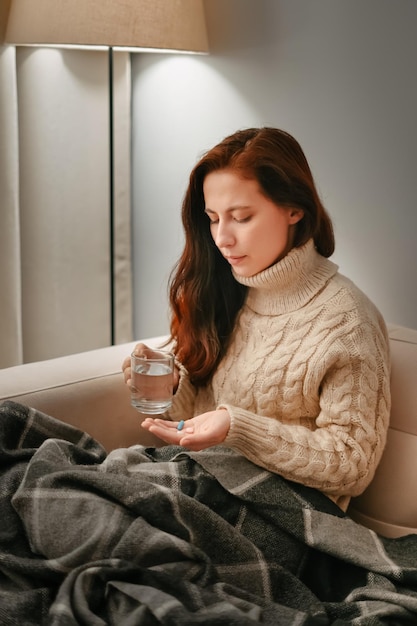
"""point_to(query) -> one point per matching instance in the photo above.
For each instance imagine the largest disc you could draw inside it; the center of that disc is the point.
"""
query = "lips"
(233, 260)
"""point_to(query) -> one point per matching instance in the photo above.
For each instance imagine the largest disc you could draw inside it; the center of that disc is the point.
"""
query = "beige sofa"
(87, 390)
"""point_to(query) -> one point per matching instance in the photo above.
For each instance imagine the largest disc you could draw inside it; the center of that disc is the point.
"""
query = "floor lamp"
(130, 25)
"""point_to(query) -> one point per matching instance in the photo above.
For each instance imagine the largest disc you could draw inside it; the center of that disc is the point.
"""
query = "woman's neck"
(289, 284)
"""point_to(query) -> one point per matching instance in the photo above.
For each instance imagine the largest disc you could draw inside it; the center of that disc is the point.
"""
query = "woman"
(279, 356)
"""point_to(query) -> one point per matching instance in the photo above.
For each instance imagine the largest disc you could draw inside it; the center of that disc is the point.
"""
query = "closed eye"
(214, 219)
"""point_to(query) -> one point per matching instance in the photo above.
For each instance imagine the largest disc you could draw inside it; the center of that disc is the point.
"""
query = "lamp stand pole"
(112, 198)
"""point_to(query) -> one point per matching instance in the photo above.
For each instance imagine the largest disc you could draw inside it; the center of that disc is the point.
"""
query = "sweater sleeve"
(336, 451)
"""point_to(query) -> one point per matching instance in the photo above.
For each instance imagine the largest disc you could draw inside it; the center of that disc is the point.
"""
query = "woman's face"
(250, 230)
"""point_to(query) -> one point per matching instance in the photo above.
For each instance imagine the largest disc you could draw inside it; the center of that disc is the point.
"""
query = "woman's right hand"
(142, 349)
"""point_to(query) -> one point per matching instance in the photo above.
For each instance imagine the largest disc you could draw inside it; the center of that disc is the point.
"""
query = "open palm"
(200, 432)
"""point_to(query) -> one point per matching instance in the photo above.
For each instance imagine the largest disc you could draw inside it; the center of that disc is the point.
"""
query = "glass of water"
(152, 381)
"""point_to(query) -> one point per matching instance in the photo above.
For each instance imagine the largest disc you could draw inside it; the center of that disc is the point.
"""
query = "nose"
(223, 235)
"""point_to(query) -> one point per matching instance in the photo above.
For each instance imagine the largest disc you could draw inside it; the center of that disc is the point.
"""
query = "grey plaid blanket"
(146, 536)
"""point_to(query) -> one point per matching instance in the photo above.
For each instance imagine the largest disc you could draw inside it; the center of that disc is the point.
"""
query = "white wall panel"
(64, 196)
(11, 341)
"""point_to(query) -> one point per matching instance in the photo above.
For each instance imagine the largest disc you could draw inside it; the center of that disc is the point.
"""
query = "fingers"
(161, 423)
(187, 436)
(127, 370)
(166, 430)
(171, 428)
(141, 350)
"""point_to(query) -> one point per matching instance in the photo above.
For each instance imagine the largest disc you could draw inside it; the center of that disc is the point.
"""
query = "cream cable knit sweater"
(305, 379)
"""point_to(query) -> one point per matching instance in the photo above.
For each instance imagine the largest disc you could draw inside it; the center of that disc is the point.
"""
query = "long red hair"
(204, 296)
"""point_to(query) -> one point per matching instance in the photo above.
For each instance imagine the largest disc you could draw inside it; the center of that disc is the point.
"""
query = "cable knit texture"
(305, 379)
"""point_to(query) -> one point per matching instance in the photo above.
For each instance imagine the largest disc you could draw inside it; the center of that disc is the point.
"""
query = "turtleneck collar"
(289, 284)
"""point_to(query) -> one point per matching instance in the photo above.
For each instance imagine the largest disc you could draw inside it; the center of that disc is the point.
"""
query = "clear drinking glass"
(152, 381)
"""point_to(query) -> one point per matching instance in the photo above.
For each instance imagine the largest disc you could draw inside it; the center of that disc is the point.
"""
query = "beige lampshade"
(152, 24)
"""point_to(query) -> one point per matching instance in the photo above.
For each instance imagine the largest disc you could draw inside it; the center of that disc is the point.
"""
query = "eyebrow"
(230, 209)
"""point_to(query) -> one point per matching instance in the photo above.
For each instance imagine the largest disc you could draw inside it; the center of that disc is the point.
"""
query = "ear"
(295, 215)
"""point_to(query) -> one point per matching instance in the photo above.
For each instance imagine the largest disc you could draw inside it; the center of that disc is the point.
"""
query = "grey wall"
(340, 75)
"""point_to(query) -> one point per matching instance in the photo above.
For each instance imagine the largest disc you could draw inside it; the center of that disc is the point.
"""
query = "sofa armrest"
(86, 390)
(388, 505)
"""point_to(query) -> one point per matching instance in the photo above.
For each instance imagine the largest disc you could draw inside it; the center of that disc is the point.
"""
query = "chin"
(244, 273)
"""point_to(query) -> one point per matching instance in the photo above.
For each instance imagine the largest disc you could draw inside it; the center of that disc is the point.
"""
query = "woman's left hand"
(200, 432)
